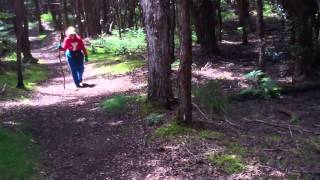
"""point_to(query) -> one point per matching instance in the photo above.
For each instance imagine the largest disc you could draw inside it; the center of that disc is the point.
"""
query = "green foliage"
(120, 68)
(18, 156)
(229, 163)
(132, 41)
(208, 134)
(171, 130)
(32, 75)
(5, 15)
(211, 97)
(154, 119)
(227, 12)
(116, 104)
(264, 87)
(47, 17)
(149, 108)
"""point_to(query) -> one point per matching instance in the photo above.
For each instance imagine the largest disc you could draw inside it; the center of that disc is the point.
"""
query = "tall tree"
(185, 105)
(205, 24)
(244, 21)
(65, 13)
(157, 25)
(38, 15)
(260, 22)
(19, 23)
(26, 47)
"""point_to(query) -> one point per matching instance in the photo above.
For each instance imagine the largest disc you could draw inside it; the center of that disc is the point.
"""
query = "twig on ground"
(3, 89)
(300, 130)
(291, 134)
(201, 112)
(293, 116)
(231, 123)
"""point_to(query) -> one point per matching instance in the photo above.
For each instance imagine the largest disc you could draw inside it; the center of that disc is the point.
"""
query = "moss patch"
(117, 104)
(229, 163)
(207, 134)
(18, 156)
(171, 130)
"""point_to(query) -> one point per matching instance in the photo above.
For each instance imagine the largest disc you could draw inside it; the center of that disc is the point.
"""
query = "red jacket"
(75, 44)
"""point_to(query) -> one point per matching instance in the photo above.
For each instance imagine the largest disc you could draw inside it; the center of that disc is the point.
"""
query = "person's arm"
(84, 50)
(64, 45)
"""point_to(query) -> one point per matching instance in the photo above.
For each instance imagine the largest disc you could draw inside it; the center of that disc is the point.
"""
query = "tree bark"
(38, 15)
(65, 13)
(244, 20)
(92, 17)
(220, 23)
(260, 22)
(205, 25)
(185, 105)
(78, 8)
(19, 23)
(131, 15)
(157, 25)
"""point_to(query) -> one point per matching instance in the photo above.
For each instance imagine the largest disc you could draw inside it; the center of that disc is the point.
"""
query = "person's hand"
(59, 46)
(86, 59)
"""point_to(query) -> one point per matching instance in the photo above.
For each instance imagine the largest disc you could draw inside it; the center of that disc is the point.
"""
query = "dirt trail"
(80, 141)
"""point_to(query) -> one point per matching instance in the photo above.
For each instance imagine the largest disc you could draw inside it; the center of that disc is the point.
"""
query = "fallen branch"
(293, 116)
(300, 130)
(201, 112)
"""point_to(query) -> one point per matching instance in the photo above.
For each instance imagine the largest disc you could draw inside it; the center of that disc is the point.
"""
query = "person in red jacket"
(76, 54)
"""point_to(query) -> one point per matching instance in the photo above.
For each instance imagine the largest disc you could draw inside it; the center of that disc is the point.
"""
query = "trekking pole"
(61, 65)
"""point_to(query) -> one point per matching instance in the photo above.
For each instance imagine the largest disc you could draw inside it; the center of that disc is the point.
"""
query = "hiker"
(76, 54)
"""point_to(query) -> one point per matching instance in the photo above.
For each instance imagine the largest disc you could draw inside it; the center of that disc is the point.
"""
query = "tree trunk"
(38, 15)
(157, 25)
(260, 22)
(19, 21)
(205, 25)
(220, 23)
(244, 19)
(172, 28)
(65, 13)
(185, 105)
(78, 8)
(92, 17)
(132, 8)
(26, 48)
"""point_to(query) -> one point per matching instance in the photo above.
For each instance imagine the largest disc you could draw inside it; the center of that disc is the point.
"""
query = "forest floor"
(81, 140)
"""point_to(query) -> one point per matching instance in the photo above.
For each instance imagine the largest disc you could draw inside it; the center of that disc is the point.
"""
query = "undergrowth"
(117, 104)
(32, 74)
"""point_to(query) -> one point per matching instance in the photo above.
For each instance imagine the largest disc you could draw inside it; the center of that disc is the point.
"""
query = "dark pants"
(76, 66)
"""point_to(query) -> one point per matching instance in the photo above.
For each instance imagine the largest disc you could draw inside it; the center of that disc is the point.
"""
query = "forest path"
(78, 138)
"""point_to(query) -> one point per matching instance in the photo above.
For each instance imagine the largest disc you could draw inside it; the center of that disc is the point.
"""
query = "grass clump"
(207, 134)
(18, 156)
(121, 68)
(118, 103)
(171, 130)
(211, 98)
(154, 119)
(47, 17)
(231, 164)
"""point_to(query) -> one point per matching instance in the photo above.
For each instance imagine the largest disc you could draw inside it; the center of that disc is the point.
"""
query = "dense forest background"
(238, 74)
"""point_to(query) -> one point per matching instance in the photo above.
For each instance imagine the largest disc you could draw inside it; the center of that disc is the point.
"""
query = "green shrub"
(263, 87)
(47, 17)
(211, 98)
(18, 155)
(132, 41)
(229, 163)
